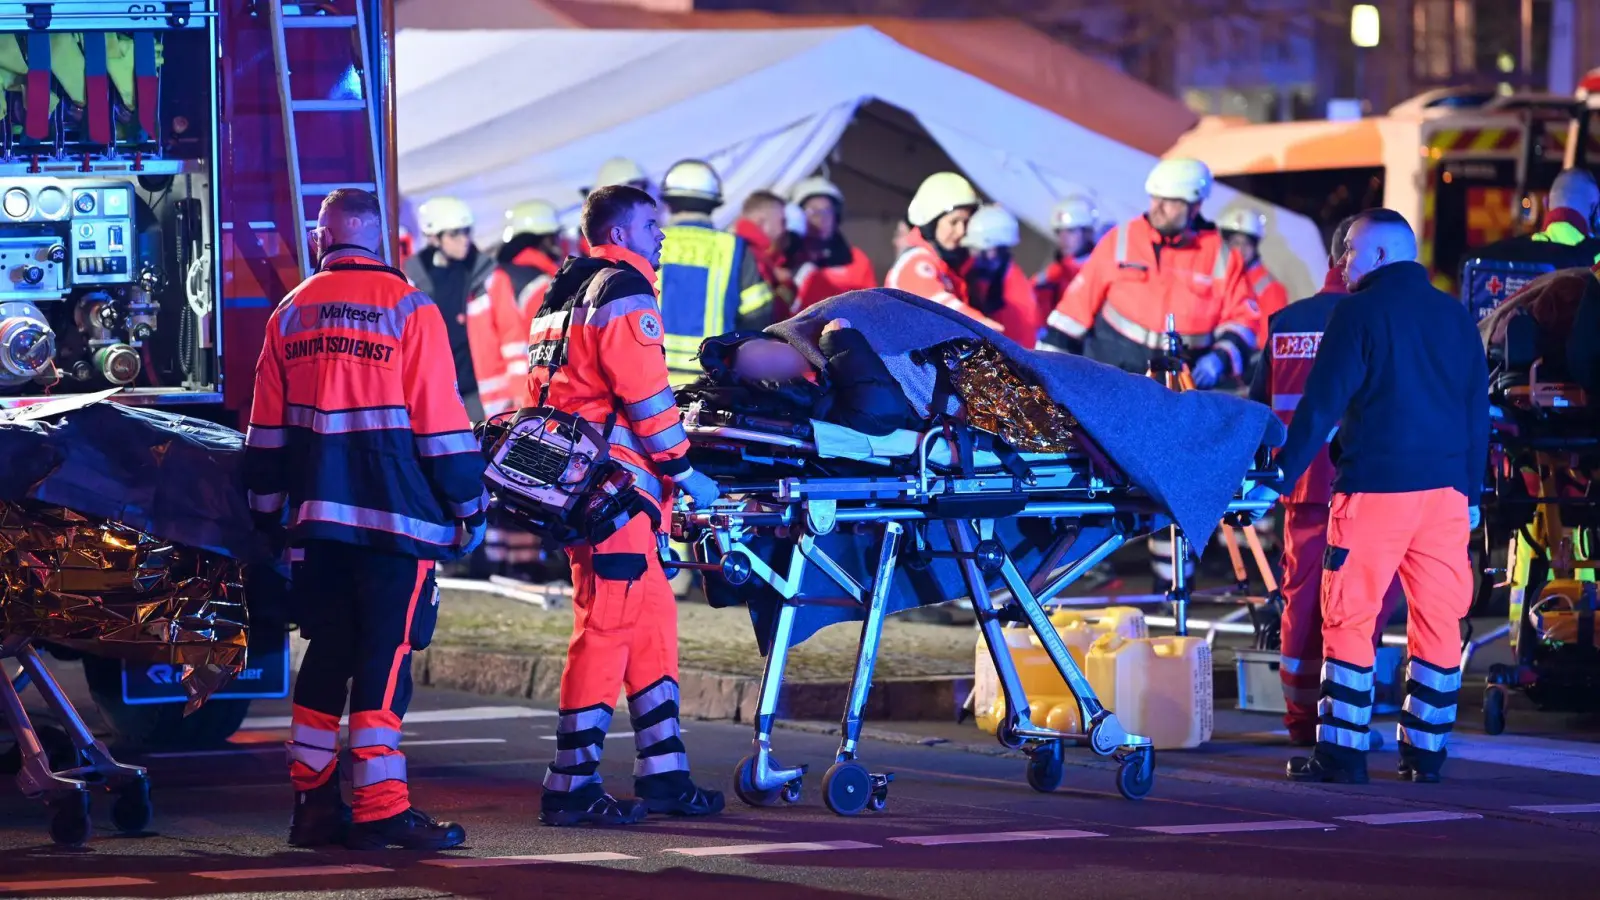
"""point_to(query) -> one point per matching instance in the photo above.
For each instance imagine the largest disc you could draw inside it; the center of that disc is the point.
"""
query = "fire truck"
(1465, 167)
(161, 162)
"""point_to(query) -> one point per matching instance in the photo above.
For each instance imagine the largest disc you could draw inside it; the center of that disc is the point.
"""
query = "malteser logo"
(345, 312)
(1296, 345)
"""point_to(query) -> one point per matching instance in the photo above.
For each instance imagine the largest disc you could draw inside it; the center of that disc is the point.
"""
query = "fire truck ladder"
(289, 14)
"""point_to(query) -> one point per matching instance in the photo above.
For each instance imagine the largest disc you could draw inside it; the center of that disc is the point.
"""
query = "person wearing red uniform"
(996, 286)
(825, 263)
(359, 443)
(1158, 265)
(616, 170)
(762, 225)
(1244, 229)
(1280, 380)
(451, 270)
(1074, 221)
(933, 262)
(597, 351)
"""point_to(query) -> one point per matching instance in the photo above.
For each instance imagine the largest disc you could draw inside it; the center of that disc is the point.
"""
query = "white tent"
(495, 117)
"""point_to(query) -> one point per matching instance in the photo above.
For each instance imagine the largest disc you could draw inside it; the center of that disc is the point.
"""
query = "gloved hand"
(1208, 370)
(1258, 494)
(1474, 516)
(468, 539)
(702, 490)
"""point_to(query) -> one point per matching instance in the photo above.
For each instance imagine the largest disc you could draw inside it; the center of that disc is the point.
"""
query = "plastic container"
(1043, 685)
(1158, 687)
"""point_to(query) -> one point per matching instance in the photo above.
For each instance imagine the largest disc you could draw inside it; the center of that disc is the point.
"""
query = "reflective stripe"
(547, 326)
(754, 297)
(1343, 737)
(375, 737)
(267, 503)
(1427, 712)
(1301, 696)
(644, 481)
(388, 322)
(1235, 358)
(1430, 677)
(313, 758)
(265, 437)
(655, 734)
(375, 519)
(368, 772)
(665, 439)
(518, 366)
(471, 507)
(572, 723)
(478, 305)
(1067, 325)
(664, 692)
(1261, 284)
(555, 781)
(491, 384)
(1347, 677)
(313, 737)
(1219, 270)
(1347, 712)
(1286, 402)
(656, 765)
(1234, 329)
(1121, 245)
(514, 350)
(1422, 740)
(447, 443)
(347, 421)
(610, 312)
(1139, 334)
(566, 759)
(653, 405)
(1292, 665)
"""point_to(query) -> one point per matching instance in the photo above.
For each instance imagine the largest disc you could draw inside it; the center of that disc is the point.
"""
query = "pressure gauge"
(16, 203)
(84, 202)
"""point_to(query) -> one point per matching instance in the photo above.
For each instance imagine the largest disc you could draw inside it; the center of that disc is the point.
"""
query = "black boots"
(1426, 719)
(410, 830)
(321, 816)
(661, 773)
(560, 809)
(1344, 715)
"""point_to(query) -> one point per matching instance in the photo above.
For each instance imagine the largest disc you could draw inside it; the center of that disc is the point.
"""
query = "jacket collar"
(534, 258)
(618, 254)
(350, 253)
(752, 234)
(1394, 274)
(1333, 282)
(1185, 238)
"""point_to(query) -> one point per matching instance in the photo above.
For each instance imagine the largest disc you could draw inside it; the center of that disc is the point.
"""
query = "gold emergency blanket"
(999, 400)
(105, 588)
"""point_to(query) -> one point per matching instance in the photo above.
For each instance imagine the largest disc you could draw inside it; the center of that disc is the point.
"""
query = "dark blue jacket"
(1402, 367)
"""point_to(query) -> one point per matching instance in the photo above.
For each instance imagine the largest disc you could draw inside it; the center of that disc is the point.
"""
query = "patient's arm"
(862, 394)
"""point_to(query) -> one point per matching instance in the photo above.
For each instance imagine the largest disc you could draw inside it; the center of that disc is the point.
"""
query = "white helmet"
(1179, 179)
(990, 227)
(619, 170)
(816, 186)
(1245, 221)
(1076, 211)
(530, 217)
(940, 193)
(443, 214)
(692, 179)
(794, 218)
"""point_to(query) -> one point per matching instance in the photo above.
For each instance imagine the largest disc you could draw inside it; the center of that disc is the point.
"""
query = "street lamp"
(1365, 29)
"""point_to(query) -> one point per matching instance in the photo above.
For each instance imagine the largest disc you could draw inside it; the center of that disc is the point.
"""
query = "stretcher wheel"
(130, 813)
(69, 819)
(1138, 774)
(990, 556)
(847, 788)
(879, 800)
(1045, 769)
(668, 557)
(744, 787)
(1494, 709)
(1006, 733)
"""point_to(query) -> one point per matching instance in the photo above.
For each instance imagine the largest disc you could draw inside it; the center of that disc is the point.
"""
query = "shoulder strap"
(364, 267)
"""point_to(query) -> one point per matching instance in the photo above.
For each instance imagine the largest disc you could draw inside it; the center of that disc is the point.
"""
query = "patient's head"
(769, 359)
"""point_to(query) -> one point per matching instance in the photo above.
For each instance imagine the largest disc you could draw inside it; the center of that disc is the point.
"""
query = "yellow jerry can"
(1158, 687)
(1045, 688)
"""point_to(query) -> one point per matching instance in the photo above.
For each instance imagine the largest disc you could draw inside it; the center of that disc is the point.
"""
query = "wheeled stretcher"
(819, 526)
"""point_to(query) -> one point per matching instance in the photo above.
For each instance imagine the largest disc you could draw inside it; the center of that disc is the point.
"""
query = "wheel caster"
(670, 556)
(1045, 768)
(1494, 709)
(1006, 734)
(744, 787)
(792, 791)
(69, 819)
(847, 788)
(878, 800)
(1138, 774)
(130, 812)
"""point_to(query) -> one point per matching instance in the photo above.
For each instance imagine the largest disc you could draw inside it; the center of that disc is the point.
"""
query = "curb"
(704, 695)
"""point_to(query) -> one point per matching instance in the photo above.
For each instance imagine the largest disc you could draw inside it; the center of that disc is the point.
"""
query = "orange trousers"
(625, 619)
(1422, 536)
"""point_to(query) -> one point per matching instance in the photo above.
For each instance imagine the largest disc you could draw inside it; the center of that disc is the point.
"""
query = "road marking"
(1406, 818)
(249, 751)
(994, 837)
(1236, 827)
(291, 872)
(748, 849)
(609, 734)
(485, 861)
(71, 883)
(424, 716)
(1562, 809)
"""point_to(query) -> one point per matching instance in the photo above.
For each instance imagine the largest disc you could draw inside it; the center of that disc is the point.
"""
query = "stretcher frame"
(814, 507)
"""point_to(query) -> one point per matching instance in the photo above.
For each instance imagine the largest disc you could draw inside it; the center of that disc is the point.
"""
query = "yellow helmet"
(530, 217)
(692, 179)
(940, 193)
(443, 214)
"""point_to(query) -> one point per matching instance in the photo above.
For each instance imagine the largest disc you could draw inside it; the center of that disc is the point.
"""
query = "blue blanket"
(1189, 451)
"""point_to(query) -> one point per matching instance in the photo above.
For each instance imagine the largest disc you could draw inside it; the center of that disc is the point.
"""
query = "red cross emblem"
(1495, 285)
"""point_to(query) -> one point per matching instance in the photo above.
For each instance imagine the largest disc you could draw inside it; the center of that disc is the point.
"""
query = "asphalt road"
(1221, 823)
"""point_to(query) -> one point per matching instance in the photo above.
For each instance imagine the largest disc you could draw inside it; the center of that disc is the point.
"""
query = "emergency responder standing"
(1157, 265)
(597, 352)
(763, 226)
(451, 270)
(1280, 379)
(616, 170)
(1570, 236)
(710, 282)
(359, 439)
(1074, 221)
(996, 286)
(934, 260)
(1243, 229)
(825, 264)
(1401, 372)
